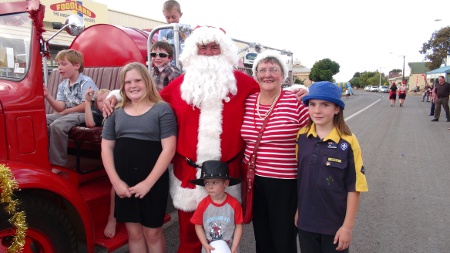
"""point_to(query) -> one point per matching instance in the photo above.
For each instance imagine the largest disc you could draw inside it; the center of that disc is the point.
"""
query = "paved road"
(407, 160)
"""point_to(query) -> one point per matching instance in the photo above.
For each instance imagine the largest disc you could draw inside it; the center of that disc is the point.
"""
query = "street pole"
(403, 72)
(380, 79)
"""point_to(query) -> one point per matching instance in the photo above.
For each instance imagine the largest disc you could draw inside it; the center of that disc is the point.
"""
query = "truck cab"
(65, 209)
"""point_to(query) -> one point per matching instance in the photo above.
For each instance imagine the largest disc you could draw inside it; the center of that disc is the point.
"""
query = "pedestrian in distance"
(402, 93)
(138, 143)
(426, 93)
(393, 94)
(69, 103)
(218, 216)
(442, 93)
(331, 174)
(433, 98)
(347, 93)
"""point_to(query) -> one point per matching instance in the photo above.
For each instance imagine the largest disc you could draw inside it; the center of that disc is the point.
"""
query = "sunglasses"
(161, 55)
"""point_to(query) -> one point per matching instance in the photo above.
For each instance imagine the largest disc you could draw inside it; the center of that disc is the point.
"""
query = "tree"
(299, 81)
(324, 70)
(437, 48)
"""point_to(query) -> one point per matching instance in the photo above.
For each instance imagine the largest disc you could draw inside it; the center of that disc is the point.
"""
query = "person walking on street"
(432, 99)
(393, 94)
(442, 93)
(402, 93)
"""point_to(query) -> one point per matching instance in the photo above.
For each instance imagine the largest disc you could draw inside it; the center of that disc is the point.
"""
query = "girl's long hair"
(151, 93)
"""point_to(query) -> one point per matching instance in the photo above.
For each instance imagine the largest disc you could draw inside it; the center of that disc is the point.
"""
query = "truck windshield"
(15, 35)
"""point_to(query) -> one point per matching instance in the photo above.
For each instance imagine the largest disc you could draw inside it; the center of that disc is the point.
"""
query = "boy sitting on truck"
(69, 103)
(93, 116)
(162, 71)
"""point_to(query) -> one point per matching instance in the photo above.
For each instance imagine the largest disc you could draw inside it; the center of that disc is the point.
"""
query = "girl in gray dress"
(138, 143)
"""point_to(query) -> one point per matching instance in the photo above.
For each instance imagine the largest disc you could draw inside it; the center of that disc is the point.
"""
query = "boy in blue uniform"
(330, 176)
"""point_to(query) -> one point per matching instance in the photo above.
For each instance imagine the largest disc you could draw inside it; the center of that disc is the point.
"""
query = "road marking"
(360, 111)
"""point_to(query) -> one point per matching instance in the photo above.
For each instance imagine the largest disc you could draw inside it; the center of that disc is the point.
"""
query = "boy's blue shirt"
(75, 95)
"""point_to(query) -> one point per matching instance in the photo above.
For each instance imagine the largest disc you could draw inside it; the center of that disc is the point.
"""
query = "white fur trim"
(205, 35)
(271, 53)
(296, 87)
(115, 93)
(187, 199)
(209, 131)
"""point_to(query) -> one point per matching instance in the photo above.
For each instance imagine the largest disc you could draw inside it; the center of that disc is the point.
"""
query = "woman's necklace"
(270, 109)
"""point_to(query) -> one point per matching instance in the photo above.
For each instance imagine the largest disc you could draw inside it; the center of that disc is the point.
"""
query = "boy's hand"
(343, 238)
(208, 248)
(89, 95)
(108, 106)
(45, 91)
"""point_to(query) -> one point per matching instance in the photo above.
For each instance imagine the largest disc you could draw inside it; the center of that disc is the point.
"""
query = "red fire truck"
(66, 208)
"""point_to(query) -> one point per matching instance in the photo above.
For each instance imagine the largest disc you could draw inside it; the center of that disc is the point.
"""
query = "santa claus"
(208, 101)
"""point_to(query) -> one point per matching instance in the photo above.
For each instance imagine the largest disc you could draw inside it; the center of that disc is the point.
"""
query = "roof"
(445, 69)
(418, 67)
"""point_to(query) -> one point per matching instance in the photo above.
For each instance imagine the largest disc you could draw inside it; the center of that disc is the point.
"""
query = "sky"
(358, 35)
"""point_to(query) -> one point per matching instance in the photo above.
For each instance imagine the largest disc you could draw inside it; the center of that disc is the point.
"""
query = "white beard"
(207, 78)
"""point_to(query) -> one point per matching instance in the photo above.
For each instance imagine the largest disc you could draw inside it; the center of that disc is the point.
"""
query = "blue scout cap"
(325, 90)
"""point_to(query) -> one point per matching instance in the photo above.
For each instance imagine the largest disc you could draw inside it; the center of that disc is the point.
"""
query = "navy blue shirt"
(328, 169)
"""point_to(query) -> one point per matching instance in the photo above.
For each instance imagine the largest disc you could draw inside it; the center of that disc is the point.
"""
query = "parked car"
(373, 89)
(383, 89)
(367, 88)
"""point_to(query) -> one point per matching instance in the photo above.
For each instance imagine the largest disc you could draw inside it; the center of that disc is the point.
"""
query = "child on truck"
(163, 72)
(68, 104)
(172, 13)
(93, 116)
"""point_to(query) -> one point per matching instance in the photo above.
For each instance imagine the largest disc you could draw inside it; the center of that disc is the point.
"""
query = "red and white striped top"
(276, 152)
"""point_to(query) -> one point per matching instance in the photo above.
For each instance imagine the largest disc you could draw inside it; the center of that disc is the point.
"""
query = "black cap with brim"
(213, 169)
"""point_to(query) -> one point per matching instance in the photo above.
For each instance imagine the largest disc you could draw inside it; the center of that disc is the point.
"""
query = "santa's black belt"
(195, 165)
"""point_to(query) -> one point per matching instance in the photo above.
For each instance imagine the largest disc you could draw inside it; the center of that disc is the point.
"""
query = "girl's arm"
(164, 159)
(237, 238)
(120, 186)
(202, 238)
(88, 117)
(344, 234)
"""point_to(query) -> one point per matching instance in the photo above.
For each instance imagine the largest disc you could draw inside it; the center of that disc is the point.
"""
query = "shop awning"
(435, 73)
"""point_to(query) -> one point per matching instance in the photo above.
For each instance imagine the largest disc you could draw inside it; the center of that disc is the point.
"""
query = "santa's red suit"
(212, 133)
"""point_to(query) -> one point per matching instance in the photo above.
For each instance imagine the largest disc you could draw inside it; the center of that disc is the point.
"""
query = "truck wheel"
(49, 229)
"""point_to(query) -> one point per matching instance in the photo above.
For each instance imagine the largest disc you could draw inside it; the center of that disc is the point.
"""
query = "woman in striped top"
(275, 192)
